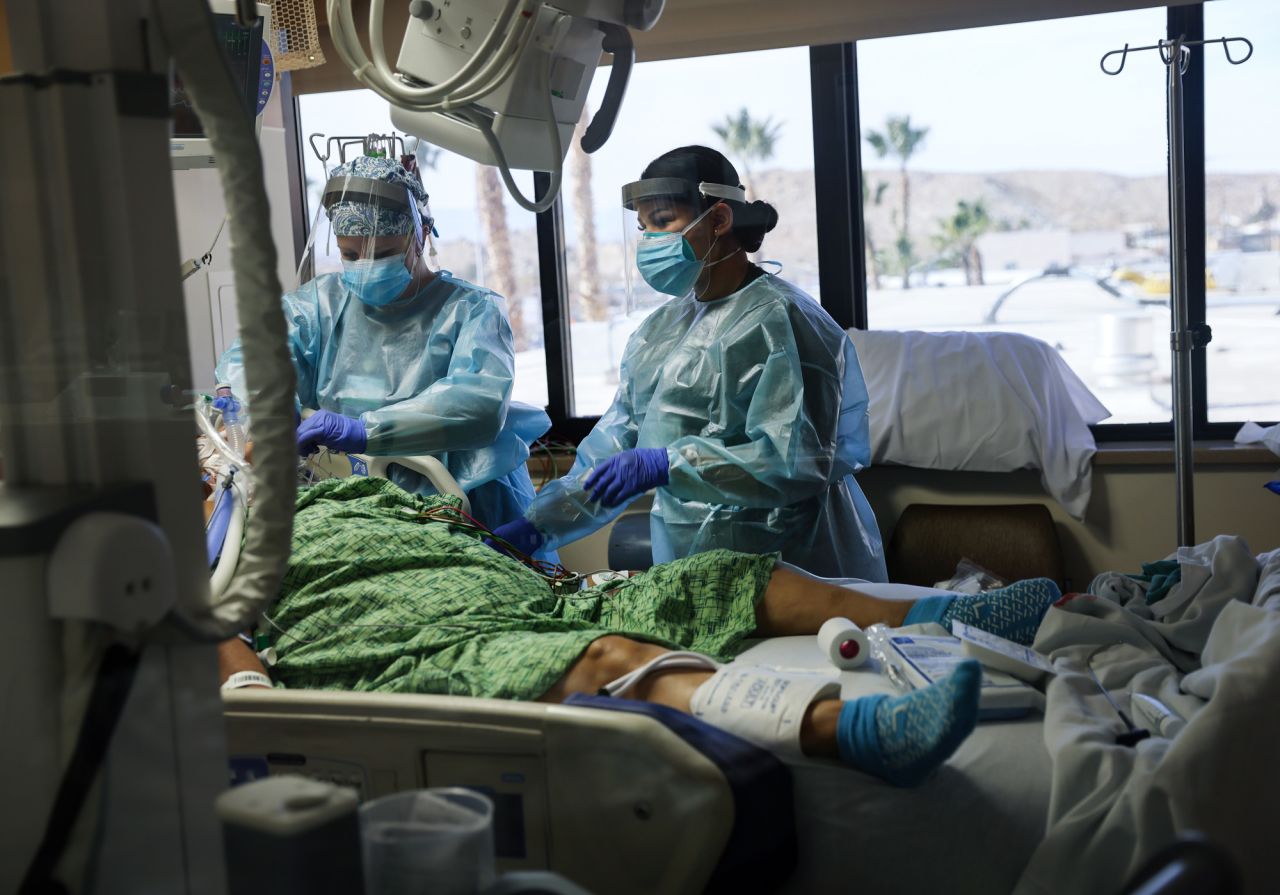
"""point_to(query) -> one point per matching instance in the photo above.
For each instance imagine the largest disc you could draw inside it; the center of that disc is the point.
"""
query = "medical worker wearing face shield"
(401, 360)
(741, 401)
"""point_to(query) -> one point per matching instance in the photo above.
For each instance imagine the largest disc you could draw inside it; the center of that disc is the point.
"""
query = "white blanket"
(1210, 650)
(984, 401)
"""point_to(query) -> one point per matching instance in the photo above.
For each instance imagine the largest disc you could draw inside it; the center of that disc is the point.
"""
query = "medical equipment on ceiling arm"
(500, 81)
(100, 545)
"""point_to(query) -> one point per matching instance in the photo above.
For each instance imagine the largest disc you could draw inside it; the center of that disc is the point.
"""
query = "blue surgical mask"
(667, 260)
(377, 281)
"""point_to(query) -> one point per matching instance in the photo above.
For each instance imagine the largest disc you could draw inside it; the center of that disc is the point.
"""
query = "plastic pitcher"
(428, 842)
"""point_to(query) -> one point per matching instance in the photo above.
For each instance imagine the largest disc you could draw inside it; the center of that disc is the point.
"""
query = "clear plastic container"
(428, 842)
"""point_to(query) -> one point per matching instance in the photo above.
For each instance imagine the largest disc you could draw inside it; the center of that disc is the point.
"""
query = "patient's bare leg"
(612, 656)
(793, 603)
(901, 739)
(797, 603)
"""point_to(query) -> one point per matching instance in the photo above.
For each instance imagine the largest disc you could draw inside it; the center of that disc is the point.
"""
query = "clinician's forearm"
(564, 512)
(434, 423)
(751, 475)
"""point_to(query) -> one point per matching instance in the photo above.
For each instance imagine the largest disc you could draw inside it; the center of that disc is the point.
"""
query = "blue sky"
(1015, 97)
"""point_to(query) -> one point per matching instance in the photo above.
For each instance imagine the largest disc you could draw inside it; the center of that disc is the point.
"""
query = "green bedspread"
(375, 598)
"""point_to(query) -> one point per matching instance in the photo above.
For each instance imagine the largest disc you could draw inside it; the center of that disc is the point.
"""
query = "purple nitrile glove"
(624, 475)
(520, 534)
(324, 428)
(227, 404)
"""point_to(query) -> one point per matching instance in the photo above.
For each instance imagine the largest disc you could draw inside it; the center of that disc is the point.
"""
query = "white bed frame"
(613, 800)
(619, 804)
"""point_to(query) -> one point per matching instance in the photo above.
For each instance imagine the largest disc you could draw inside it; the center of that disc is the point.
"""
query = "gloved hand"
(226, 404)
(324, 428)
(520, 534)
(627, 474)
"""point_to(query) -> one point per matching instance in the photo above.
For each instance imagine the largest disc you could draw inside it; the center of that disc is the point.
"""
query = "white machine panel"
(518, 788)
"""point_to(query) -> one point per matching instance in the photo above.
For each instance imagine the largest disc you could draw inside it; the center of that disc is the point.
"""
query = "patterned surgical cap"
(362, 219)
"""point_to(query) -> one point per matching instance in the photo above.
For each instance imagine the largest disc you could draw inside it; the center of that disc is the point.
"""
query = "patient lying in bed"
(377, 598)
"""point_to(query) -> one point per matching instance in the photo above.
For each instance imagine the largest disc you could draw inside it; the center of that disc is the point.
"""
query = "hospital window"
(1242, 214)
(762, 124)
(1008, 184)
(484, 237)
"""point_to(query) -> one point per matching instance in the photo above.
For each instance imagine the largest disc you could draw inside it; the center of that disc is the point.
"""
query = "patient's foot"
(1012, 612)
(903, 738)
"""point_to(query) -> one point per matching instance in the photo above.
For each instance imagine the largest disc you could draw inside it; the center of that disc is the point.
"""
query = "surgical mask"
(667, 261)
(377, 281)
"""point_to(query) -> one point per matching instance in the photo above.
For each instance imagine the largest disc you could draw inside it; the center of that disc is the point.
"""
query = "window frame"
(837, 150)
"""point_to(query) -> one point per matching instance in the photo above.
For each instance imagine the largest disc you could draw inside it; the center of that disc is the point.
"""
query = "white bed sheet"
(971, 827)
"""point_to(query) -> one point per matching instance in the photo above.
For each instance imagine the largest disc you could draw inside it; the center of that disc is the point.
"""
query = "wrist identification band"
(246, 679)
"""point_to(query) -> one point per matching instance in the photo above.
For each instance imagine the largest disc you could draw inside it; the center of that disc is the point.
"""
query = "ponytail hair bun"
(751, 222)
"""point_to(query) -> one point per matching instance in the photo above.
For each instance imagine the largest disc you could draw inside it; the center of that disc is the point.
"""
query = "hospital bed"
(620, 802)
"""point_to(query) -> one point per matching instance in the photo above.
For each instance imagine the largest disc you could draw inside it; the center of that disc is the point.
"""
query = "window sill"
(1160, 453)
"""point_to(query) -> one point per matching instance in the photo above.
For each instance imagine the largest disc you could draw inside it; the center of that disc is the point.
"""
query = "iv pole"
(1184, 337)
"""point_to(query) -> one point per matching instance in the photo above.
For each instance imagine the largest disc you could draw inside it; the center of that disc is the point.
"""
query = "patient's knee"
(605, 659)
(613, 655)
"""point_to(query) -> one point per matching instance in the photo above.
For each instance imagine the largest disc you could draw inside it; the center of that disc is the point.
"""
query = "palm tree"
(958, 236)
(875, 197)
(750, 140)
(588, 286)
(496, 240)
(901, 141)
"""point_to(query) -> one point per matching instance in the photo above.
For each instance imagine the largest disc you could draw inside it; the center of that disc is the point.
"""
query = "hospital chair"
(1015, 541)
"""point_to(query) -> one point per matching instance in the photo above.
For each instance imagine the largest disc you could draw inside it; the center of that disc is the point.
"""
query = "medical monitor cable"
(481, 122)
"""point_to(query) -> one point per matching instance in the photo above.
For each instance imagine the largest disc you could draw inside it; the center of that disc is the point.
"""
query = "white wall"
(212, 323)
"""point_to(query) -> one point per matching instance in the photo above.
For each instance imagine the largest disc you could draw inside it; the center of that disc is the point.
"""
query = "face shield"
(658, 214)
(369, 231)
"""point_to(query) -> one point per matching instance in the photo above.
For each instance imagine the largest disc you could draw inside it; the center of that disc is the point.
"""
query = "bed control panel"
(516, 784)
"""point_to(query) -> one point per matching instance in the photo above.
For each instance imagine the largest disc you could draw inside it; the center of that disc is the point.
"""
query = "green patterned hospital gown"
(377, 599)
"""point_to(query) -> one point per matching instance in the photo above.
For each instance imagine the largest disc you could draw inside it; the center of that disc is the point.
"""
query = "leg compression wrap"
(762, 705)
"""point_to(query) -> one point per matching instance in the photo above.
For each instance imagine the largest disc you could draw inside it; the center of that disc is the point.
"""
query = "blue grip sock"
(901, 739)
(1012, 612)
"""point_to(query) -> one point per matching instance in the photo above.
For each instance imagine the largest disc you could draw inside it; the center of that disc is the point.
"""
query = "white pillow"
(987, 401)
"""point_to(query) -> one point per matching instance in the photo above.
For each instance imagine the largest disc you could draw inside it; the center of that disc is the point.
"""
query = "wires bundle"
(558, 577)
(546, 451)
